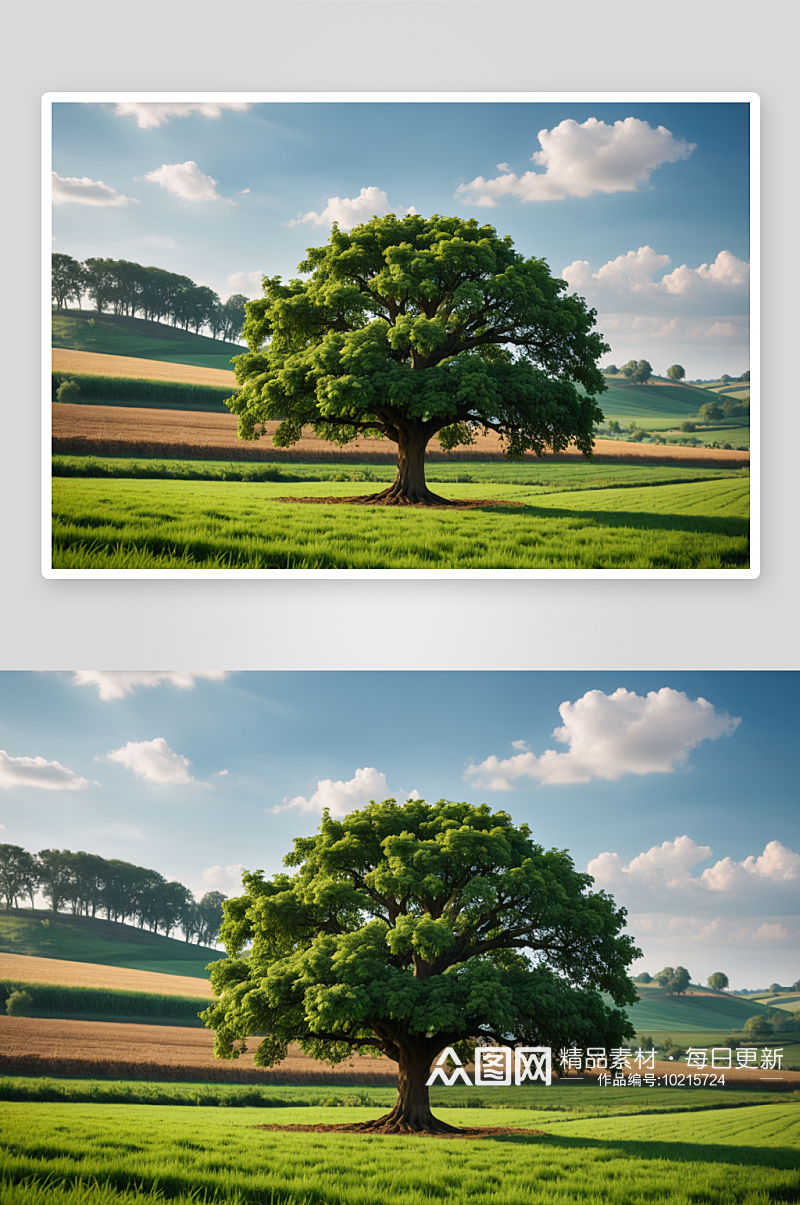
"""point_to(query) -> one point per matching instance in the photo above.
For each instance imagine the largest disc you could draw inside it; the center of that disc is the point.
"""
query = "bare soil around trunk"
(381, 500)
(83, 430)
(368, 1128)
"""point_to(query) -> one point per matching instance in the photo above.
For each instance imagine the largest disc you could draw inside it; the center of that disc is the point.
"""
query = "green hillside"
(90, 939)
(114, 335)
(658, 1012)
(655, 407)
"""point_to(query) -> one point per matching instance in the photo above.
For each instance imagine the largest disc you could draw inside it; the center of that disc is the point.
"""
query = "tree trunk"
(408, 487)
(412, 1109)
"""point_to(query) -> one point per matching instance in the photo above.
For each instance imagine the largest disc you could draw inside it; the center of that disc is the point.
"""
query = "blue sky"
(642, 207)
(677, 791)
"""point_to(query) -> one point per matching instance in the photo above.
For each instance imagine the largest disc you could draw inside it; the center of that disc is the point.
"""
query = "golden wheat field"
(25, 968)
(132, 431)
(98, 364)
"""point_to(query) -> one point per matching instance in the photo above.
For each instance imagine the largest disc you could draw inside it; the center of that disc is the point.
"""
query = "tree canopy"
(407, 929)
(128, 288)
(674, 979)
(406, 329)
(718, 981)
(637, 371)
(675, 372)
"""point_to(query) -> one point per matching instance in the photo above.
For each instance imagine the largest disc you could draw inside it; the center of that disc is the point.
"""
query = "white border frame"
(750, 98)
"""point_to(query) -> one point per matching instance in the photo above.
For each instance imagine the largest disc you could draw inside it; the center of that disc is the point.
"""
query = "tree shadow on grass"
(777, 1157)
(721, 525)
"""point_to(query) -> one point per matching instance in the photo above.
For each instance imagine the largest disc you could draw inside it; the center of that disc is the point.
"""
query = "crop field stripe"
(49, 997)
(546, 478)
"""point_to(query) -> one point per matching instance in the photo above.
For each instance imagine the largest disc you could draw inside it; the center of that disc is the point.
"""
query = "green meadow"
(743, 1155)
(132, 523)
(117, 335)
(91, 939)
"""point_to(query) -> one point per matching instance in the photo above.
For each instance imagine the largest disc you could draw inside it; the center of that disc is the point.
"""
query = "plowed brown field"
(95, 363)
(131, 431)
(165, 1052)
(27, 969)
(34, 1045)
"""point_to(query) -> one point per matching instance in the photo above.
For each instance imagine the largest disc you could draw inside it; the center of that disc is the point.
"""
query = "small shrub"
(68, 391)
(19, 1004)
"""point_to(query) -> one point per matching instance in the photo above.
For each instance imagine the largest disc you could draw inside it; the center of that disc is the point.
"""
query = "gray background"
(370, 45)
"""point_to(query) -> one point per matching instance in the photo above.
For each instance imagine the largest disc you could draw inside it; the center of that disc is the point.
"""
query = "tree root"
(400, 1131)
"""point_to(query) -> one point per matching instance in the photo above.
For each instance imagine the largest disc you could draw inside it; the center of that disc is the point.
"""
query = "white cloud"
(223, 878)
(116, 684)
(37, 772)
(676, 932)
(630, 280)
(777, 864)
(84, 191)
(154, 761)
(350, 211)
(150, 115)
(612, 735)
(503, 167)
(242, 192)
(343, 797)
(185, 181)
(218, 773)
(629, 329)
(580, 160)
(248, 283)
(767, 882)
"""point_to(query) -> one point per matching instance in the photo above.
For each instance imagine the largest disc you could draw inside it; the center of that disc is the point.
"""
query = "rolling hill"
(655, 407)
(715, 1012)
(89, 939)
(115, 335)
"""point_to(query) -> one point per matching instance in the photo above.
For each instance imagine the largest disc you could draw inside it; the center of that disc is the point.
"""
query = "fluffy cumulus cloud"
(612, 735)
(222, 878)
(84, 191)
(350, 211)
(343, 797)
(657, 877)
(150, 115)
(579, 160)
(155, 762)
(37, 772)
(630, 280)
(185, 181)
(116, 684)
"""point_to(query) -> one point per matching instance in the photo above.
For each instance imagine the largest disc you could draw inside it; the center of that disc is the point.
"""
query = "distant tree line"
(674, 979)
(122, 287)
(119, 891)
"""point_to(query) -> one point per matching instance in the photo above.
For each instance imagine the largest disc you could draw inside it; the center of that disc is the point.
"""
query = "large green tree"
(406, 929)
(415, 328)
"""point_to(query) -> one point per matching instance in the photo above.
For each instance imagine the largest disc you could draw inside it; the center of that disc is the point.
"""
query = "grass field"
(115, 335)
(91, 939)
(746, 1155)
(175, 524)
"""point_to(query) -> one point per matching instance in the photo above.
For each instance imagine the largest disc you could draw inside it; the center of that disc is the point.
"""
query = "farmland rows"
(127, 430)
